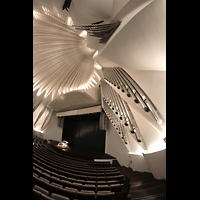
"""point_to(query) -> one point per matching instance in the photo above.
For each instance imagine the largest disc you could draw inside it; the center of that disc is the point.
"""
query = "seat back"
(59, 197)
(116, 187)
(86, 195)
(40, 189)
(103, 188)
(105, 195)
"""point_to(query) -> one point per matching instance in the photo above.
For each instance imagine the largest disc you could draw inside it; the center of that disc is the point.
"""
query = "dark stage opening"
(84, 131)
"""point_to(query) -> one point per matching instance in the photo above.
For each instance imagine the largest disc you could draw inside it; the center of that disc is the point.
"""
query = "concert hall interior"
(99, 99)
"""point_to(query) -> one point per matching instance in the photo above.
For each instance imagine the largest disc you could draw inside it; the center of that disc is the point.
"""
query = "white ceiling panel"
(76, 100)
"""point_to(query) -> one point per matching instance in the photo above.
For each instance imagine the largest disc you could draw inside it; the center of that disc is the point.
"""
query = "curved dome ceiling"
(61, 60)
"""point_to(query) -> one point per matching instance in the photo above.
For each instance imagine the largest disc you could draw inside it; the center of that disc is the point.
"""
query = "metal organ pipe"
(123, 107)
(115, 121)
(114, 105)
(118, 105)
(132, 89)
(137, 92)
(123, 111)
(125, 86)
(109, 76)
(144, 97)
(120, 82)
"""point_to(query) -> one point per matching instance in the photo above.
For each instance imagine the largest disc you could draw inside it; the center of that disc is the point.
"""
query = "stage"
(82, 152)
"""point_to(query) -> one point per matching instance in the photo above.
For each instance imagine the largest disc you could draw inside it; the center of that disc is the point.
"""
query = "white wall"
(138, 163)
(115, 146)
(157, 163)
(52, 131)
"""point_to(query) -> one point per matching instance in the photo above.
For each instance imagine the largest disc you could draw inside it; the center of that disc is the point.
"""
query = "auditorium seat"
(91, 178)
(71, 178)
(119, 177)
(90, 182)
(101, 182)
(103, 187)
(100, 174)
(83, 177)
(55, 179)
(115, 173)
(110, 178)
(36, 194)
(71, 192)
(91, 187)
(56, 184)
(65, 183)
(59, 197)
(77, 181)
(116, 187)
(77, 186)
(112, 182)
(105, 195)
(108, 173)
(86, 195)
(100, 178)
(45, 197)
(40, 189)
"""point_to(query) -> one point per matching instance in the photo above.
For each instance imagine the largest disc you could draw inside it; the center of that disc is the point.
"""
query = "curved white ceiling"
(76, 100)
(140, 41)
(61, 60)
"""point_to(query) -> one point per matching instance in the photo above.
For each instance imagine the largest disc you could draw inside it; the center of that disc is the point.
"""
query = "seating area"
(62, 177)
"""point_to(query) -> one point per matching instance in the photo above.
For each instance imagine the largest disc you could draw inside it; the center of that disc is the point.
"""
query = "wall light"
(97, 66)
(36, 129)
(69, 21)
(95, 54)
(83, 34)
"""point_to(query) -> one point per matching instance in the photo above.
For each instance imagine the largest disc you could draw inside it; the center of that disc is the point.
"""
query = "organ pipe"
(116, 122)
(118, 111)
(102, 31)
(122, 80)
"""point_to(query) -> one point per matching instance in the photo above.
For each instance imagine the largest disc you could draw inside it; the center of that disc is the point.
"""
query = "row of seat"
(83, 164)
(72, 166)
(78, 176)
(62, 180)
(41, 171)
(65, 160)
(74, 190)
(40, 193)
(40, 142)
(77, 171)
(116, 187)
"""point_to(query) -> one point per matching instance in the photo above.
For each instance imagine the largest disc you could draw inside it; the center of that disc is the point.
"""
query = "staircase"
(143, 185)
